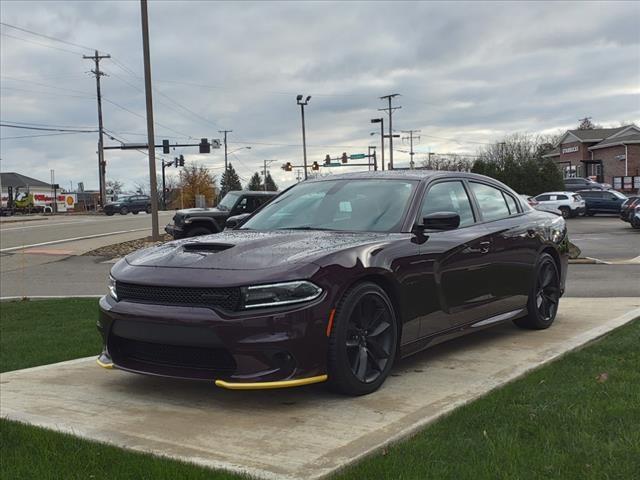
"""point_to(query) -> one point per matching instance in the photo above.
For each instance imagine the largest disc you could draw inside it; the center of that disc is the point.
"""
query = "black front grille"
(127, 352)
(224, 298)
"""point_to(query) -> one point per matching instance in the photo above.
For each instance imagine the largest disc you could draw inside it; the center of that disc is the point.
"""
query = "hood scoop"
(206, 247)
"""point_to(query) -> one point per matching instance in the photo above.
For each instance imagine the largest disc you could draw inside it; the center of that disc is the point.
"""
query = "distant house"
(603, 154)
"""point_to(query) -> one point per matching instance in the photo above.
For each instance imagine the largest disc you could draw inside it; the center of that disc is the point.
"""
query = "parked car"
(334, 280)
(532, 202)
(568, 204)
(602, 201)
(575, 184)
(634, 217)
(627, 208)
(192, 222)
(134, 204)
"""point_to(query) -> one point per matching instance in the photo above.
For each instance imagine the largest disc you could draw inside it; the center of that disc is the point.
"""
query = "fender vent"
(206, 247)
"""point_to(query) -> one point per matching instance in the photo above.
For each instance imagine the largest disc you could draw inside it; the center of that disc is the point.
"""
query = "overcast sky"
(468, 74)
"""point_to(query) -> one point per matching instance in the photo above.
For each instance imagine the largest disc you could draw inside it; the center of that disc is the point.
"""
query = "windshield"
(228, 201)
(342, 205)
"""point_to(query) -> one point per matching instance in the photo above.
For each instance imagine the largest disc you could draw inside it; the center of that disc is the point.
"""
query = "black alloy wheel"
(544, 297)
(124, 210)
(363, 341)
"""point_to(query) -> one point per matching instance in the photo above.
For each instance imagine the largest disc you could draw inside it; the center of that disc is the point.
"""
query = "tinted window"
(561, 197)
(542, 198)
(491, 201)
(448, 197)
(511, 203)
(589, 194)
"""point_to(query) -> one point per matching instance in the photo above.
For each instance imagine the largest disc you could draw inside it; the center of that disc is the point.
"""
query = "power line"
(48, 125)
(40, 44)
(47, 129)
(26, 30)
(39, 135)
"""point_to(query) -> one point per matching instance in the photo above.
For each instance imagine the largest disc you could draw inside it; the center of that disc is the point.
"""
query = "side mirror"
(236, 220)
(441, 221)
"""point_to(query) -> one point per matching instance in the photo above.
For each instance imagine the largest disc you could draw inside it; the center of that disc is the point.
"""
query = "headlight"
(285, 293)
(112, 288)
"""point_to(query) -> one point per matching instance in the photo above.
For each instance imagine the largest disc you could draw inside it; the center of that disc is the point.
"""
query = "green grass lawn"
(566, 420)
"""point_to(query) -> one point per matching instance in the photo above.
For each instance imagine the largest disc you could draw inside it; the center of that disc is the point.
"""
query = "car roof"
(254, 192)
(556, 193)
(417, 174)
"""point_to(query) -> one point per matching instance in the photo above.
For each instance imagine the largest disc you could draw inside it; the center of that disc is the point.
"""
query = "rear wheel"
(135, 212)
(544, 297)
(363, 341)
(148, 209)
(124, 211)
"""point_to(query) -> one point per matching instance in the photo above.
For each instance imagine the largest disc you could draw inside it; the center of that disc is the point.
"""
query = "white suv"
(568, 204)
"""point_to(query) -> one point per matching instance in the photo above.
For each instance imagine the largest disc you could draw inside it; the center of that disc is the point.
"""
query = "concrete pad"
(300, 433)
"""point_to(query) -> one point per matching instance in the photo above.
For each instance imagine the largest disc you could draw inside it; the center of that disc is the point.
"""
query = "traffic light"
(344, 157)
(287, 167)
(315, 166)
(205, 146)
(181, 161)
(165, 146)
(327, 159)
(176, 162)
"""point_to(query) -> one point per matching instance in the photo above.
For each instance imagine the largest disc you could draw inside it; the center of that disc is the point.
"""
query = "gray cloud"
(470, 72)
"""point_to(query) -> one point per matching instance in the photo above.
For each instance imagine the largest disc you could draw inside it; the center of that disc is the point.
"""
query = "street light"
(381, 122)
(238, 149)
(304, 137)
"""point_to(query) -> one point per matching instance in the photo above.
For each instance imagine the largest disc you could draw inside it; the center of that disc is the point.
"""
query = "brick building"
(609, 155)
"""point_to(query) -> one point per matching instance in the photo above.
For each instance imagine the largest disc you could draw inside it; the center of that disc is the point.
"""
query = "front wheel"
(363, 341)
(544, 296)
(566, 213)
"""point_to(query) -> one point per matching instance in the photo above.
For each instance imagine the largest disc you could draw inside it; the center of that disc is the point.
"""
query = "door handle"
(484, 247)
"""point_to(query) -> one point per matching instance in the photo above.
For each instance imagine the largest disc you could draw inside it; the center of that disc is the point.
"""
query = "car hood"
(195, 211)
(250, 250)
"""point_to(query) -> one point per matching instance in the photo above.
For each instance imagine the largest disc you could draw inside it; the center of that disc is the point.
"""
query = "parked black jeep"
(192, 222)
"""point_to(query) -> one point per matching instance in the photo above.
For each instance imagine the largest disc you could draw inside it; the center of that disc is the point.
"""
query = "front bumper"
(175, 231)
(247, 350)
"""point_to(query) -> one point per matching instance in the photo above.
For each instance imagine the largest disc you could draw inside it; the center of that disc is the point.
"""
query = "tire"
(590, 214)
(565, 211)
(544, 297)
(635, 223)
(109, 213)
(198, 231)
(365, 330)
(135, 212)
(124, 211)
(148, 209)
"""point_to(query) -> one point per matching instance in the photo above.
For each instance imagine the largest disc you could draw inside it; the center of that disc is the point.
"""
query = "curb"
(45, 297)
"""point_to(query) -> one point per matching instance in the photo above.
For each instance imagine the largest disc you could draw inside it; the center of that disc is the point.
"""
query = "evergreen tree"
(229, 181)
(270, 183)
(255, 183)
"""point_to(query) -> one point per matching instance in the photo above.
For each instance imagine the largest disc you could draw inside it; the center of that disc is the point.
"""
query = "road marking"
(53, 224)
(65, 240)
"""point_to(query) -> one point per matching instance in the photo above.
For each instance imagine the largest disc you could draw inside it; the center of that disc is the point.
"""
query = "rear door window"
(491, 201)
(543, 198)
(562, 197)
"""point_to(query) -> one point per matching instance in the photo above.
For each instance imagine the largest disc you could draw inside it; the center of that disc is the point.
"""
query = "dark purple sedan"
(334, 280)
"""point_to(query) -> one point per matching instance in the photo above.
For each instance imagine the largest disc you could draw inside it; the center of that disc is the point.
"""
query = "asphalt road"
(56, 230)
(604, 237)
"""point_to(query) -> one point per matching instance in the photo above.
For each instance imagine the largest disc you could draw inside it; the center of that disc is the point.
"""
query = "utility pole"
(266, 162)
(155, 233)
(381, 122)
(410, 138)
(102, 165)
(304, 135)
(390, 111)
(225, 146)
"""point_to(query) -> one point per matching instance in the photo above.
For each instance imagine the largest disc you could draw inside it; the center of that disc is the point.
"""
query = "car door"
(544, 202)
(454, 276)
(513, 249)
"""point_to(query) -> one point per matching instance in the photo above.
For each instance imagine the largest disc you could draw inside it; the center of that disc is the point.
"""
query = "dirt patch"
(121, 249)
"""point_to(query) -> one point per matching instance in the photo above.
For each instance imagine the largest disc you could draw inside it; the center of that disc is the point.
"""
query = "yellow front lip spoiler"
(104, 365)
(269, 385)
